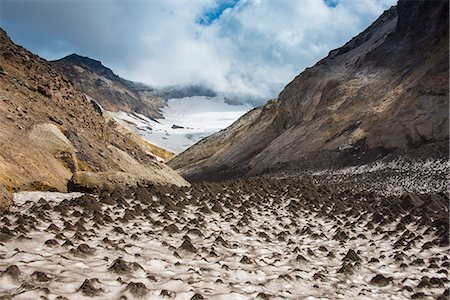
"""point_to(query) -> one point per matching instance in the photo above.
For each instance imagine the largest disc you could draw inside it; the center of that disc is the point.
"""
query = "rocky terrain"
(51, 133)
(339, 189)
(264, 238)
(384, 94)
(112, 92)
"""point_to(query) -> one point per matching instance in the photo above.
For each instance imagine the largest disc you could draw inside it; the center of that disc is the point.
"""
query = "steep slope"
(51, 133)
(114, 94)
(107, 88)
(385, 92)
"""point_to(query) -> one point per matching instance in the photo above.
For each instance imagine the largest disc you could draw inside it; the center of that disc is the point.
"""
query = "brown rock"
(88, 288)
(40, 276)
(12, 271)
(6, 197)
(120, 266)
(187, 246)
(381, 280)
(137, 289)
(351, 256)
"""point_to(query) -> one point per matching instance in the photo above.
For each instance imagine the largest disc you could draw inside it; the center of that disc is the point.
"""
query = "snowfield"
(185, 122)
(391, 178)
(263, 238)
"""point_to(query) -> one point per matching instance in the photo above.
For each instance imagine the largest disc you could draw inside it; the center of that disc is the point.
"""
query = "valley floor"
(185, 121)
(266, 238)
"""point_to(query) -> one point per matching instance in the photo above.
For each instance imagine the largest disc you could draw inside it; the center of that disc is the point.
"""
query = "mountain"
(185, 121)
(141, 108)
(384, 94)
(107, 91)
(115, 94)
(52, 137)
(111, 91)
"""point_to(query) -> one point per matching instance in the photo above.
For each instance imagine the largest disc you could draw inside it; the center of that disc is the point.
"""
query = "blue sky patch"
(332, 3)
(213, 13)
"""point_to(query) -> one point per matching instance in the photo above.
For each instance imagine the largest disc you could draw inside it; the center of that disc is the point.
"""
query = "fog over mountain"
(230, 46)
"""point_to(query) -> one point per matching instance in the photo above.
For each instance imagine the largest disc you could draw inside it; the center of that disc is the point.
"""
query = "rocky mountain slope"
(111, 91)
(51, 133)
(384, 93)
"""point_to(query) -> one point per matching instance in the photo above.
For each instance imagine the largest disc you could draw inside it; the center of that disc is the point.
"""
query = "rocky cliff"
(384, 93)
(50, 133)
(111, 91)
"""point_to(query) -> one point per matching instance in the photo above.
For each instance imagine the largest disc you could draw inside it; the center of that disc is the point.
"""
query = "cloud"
(251, 47)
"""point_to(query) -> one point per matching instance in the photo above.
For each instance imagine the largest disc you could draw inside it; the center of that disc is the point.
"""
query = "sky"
(241, 47)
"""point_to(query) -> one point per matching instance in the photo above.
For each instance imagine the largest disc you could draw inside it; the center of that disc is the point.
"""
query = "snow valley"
(185, 121)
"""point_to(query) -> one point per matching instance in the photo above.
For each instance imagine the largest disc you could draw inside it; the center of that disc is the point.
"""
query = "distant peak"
(77, 59)
(77, 56)
(84, 61)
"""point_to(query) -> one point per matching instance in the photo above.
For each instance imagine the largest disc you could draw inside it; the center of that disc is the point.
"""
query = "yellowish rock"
(6, 197)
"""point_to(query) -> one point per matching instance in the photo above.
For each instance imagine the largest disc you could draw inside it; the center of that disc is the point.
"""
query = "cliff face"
(385, 92)
(107, 88)
(50, 132)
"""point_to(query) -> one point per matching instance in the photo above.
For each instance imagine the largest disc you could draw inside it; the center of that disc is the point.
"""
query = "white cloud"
(255, 47)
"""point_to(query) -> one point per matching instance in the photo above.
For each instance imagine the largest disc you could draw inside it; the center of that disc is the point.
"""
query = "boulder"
(50, 138)
(94, 182)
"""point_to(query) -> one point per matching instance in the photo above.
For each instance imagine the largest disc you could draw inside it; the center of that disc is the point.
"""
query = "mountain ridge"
(51, 134)
(384, 93)
(107, 88)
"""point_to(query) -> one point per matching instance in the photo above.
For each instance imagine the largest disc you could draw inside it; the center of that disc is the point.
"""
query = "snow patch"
(186, 121)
